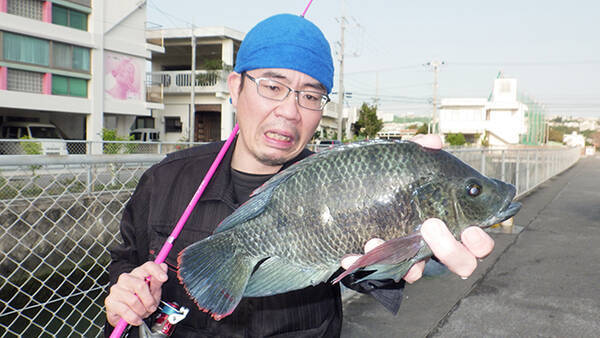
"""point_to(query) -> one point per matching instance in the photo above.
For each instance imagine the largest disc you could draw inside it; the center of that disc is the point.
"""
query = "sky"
(551, 47)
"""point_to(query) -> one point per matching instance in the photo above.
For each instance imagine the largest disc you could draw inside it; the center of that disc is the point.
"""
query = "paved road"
(541, 282)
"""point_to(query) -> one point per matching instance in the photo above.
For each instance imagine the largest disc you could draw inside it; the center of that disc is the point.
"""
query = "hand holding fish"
(134, 296)
(460, 258)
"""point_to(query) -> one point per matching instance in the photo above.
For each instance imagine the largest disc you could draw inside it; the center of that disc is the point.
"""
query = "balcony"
(180, 82)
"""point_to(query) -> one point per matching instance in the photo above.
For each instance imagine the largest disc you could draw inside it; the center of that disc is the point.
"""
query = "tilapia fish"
(295, 229)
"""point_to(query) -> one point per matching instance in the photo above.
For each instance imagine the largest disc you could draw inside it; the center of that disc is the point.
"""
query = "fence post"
(536, 173)
(527, 170)
(90, 184)
(483, 161)
(503, 175)
(518, 158)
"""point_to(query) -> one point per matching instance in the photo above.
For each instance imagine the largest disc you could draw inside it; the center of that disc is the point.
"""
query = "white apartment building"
(78, 64)
(211, 116)
(574, 140)
(502, 118)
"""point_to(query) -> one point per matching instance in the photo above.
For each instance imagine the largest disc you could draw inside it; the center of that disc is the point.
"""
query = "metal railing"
(82, 147)
(181, 81)
(524, 168)
(60, 214)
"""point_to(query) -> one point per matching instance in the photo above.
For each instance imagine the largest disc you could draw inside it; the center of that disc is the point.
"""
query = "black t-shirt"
(244, 184)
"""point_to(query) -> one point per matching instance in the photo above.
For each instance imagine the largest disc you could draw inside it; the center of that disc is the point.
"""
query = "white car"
(45, 134)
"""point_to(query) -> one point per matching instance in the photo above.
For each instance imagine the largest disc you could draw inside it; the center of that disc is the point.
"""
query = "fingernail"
(464, 278)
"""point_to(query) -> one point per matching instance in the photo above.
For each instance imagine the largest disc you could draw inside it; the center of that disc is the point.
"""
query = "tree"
(455, 139)
(422, 129)
(555, 135)
(368, 124)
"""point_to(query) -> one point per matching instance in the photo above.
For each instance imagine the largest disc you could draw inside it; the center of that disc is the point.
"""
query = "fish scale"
(295, 229)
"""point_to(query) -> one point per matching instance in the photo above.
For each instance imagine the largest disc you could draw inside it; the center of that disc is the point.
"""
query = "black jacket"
(159, 200)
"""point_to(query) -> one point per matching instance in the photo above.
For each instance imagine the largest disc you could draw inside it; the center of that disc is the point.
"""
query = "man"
(279, 87)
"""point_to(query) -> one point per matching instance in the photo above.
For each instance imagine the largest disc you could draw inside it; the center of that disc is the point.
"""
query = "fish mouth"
(508, 210)
(503, 214)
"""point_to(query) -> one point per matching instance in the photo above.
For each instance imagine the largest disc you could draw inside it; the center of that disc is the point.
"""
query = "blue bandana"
(287, 41)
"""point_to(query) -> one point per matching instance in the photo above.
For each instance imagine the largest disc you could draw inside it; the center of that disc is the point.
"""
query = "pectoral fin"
(394, 251)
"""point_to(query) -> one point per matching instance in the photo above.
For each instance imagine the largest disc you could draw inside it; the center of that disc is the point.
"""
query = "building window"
(81, 58)
(70, 57)
(27, 8)
(24, 81)
(69, 17)
(144, 122)
(61, 56)
(26, 49)
(70, 86)
(172, 124)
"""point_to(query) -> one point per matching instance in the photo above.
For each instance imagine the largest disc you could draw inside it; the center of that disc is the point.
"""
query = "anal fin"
(391, 252)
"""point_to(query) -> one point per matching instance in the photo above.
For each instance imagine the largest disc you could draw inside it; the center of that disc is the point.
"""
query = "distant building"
(328, 125)
(399, 131)
(464, 115)
(588, 124)
(574, 140)
(503, 119)
(211, 117)
(79, 64)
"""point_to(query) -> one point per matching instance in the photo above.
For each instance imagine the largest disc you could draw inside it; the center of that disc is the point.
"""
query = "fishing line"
(168, 245)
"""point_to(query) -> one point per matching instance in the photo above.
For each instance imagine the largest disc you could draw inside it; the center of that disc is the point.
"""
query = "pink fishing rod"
(164, 251)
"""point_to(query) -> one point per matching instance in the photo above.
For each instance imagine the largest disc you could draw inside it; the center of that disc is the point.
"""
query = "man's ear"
(233, 82)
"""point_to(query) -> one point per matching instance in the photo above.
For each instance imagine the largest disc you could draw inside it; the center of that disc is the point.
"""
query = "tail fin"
(214, 274)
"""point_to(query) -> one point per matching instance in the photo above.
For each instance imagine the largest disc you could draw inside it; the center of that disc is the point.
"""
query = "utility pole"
(192, 111)
(340, 106)
(433, 126)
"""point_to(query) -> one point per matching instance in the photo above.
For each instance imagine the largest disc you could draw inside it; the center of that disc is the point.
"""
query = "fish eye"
(474, 189)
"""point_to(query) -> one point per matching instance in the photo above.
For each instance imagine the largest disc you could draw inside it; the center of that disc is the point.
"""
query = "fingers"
(134, 296)
(415, 272)
(458, 257)
(373, 243)
(431, 141)
(348, 260)
(477, 241)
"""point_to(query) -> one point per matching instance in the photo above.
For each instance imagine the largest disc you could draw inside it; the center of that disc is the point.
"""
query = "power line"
(525, 63)
(168, 16)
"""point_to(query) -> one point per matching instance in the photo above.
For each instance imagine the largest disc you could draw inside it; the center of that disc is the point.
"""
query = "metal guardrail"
(60, 214)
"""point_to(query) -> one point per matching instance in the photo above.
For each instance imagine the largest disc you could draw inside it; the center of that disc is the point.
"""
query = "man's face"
(271, 132)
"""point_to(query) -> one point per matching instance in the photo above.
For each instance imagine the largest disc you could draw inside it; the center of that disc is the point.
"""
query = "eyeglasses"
(275, 90)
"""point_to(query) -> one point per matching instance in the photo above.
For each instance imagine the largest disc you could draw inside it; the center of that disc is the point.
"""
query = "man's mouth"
(278, 137)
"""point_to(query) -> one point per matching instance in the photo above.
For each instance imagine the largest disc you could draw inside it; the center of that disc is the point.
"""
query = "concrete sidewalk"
(543, 281)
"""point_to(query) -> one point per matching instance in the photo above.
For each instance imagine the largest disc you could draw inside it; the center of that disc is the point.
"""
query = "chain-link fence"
(82, 147)
(60, 214)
